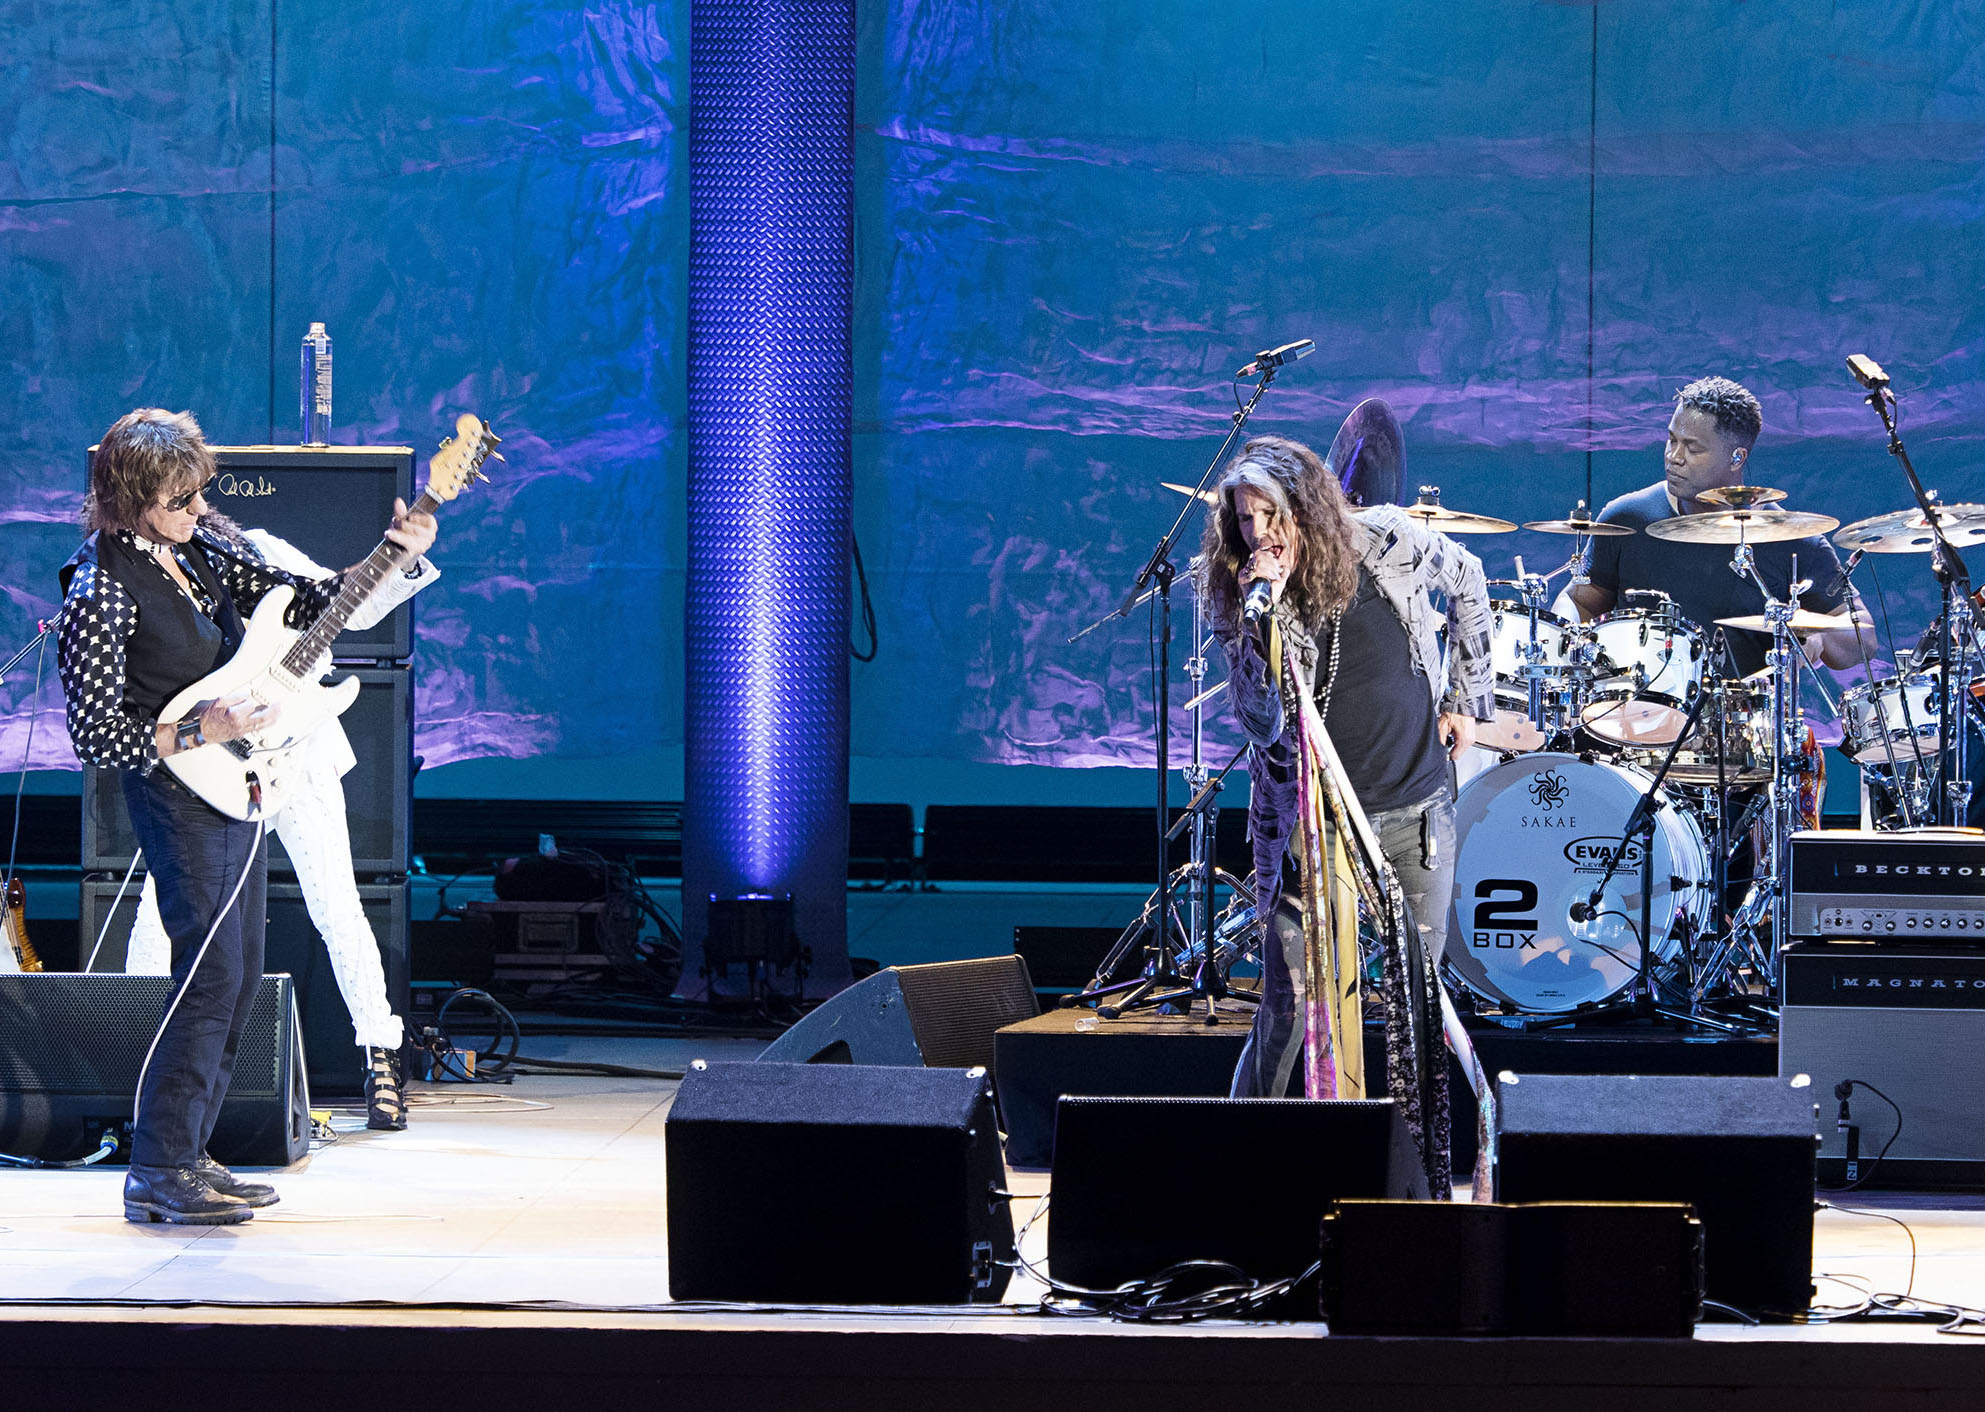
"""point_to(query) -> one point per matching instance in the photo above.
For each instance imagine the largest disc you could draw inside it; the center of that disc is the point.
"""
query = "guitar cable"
(110, 912)
(247, 867)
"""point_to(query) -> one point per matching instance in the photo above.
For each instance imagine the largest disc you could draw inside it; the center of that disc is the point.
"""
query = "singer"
(1291, 574)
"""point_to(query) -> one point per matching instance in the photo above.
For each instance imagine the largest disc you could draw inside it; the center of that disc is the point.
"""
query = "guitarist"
(153, 603)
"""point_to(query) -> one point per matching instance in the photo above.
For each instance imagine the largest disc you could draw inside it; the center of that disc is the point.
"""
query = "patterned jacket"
(1408, 564)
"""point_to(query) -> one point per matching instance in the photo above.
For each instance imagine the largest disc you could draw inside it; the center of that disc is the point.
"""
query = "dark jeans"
(197, 855)
(1418, 841)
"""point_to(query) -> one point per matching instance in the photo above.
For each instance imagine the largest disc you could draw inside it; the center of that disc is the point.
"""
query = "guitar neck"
(360, 582)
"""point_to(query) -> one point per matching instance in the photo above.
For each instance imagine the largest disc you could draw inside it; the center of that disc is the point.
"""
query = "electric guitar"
(248, 778)
(17, 953)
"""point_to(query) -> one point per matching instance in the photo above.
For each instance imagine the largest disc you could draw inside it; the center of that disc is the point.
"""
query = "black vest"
(175, 644)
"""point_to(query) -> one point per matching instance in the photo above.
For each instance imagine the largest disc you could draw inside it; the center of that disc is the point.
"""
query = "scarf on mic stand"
(1419, 1013)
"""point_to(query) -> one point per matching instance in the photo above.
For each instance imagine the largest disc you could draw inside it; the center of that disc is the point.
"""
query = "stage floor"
(540, 1207)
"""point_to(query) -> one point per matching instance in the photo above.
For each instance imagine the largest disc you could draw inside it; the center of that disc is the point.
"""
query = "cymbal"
(1803, 620)
(1211, 497)
(1368, 455)
(1580, 522)
(1741, 497)
(1907, 532)
(1743, 526)
(1429, 511)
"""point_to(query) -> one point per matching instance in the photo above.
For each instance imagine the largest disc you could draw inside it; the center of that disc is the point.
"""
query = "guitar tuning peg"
(481, 477)
(499, 456)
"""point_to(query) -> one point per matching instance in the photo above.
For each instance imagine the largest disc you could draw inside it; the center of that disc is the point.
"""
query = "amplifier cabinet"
(1925, 885)
(378, 791)
(1908, 1020)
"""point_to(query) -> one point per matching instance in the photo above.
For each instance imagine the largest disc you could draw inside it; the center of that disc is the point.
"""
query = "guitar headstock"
(459, 461)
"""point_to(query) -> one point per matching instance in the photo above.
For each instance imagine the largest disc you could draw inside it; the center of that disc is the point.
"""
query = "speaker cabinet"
(943, 1015)
(293, 948)
(833, 1183)
(1553, 1269)
(1739, 1150)
(378, 791)
(71, 1047)
(1898, 1019)
(1129, 1171)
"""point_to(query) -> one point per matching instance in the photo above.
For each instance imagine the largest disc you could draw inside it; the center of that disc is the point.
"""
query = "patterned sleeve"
(248, 579)
(1458, 575)
(98, 619)
(1257, 701)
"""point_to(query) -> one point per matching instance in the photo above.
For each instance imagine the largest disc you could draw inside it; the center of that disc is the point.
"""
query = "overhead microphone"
(1867, 372)
(1276, 357)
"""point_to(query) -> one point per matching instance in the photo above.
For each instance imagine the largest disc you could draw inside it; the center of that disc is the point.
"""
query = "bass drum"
(1533, 835)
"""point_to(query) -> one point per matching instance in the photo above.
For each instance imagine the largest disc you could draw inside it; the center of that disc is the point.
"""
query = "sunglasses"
(180, 502)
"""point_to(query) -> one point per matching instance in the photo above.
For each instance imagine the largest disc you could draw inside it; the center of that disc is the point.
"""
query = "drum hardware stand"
(1900, 791)
(1163, 983)
(1955, 581)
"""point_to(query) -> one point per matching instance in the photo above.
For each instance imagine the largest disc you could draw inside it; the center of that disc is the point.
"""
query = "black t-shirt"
(1699, 579)
(1381, 713)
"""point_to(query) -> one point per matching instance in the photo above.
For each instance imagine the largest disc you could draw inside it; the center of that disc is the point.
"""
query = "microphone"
(1584, 910)
(1853, 560)
(1276, 357)
(1260, 599)
(1867, 372)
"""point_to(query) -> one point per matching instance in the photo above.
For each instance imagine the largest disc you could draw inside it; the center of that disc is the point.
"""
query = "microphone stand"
(1643, 1002)
(1163, 983)
(1955, 581)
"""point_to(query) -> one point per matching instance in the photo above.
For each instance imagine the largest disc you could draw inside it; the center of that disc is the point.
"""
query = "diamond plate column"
(770, 289)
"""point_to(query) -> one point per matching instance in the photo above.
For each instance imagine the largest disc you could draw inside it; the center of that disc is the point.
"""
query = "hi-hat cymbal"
(1743, 526)
(1429, 511)
(1907, 532)
(1741, 497)
(1580, 521)
(1211, 497)
(1803, 620)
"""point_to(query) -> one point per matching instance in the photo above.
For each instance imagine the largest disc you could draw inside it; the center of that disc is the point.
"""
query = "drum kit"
(1626, 781)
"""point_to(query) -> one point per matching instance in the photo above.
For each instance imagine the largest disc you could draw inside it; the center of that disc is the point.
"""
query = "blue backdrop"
(1523, 225)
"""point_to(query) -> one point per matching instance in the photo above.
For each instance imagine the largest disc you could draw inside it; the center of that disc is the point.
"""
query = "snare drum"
(1515, 656)
(1650, 665)
(1532, 837)
(1899, 715)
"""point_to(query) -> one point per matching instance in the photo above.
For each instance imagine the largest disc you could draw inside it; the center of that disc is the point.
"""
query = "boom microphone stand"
(1955, 582)
(1163, 983)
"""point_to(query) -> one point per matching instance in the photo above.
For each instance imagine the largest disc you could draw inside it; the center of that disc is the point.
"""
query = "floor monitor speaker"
(831, 1183)
(1739, 1150)
(943, 1015)
(71, 1047)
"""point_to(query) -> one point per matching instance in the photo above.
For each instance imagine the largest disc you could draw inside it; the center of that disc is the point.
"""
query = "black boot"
(178, 1195)
(228, 1184)
(385, 1105)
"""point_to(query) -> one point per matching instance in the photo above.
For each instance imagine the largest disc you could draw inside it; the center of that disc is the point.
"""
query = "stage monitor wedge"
(943, 1015)
(1739, 1150)
(71, 1047)
(1133, 1178)
(836, 1184)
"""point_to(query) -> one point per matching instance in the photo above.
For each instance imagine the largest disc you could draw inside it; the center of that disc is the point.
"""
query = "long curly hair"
(1304, 494)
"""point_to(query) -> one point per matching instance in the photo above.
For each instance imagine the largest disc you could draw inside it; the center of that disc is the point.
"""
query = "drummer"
(1710, 436)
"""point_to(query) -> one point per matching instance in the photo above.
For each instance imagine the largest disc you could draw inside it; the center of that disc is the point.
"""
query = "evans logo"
(1598, 852)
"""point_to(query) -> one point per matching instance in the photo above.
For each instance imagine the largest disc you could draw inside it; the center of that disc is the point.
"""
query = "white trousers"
(317, 838)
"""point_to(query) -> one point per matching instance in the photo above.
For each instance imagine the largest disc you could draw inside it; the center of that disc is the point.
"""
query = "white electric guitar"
(246, 778)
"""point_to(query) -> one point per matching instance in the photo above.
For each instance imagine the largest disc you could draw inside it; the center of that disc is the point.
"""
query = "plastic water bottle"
(315, 392)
